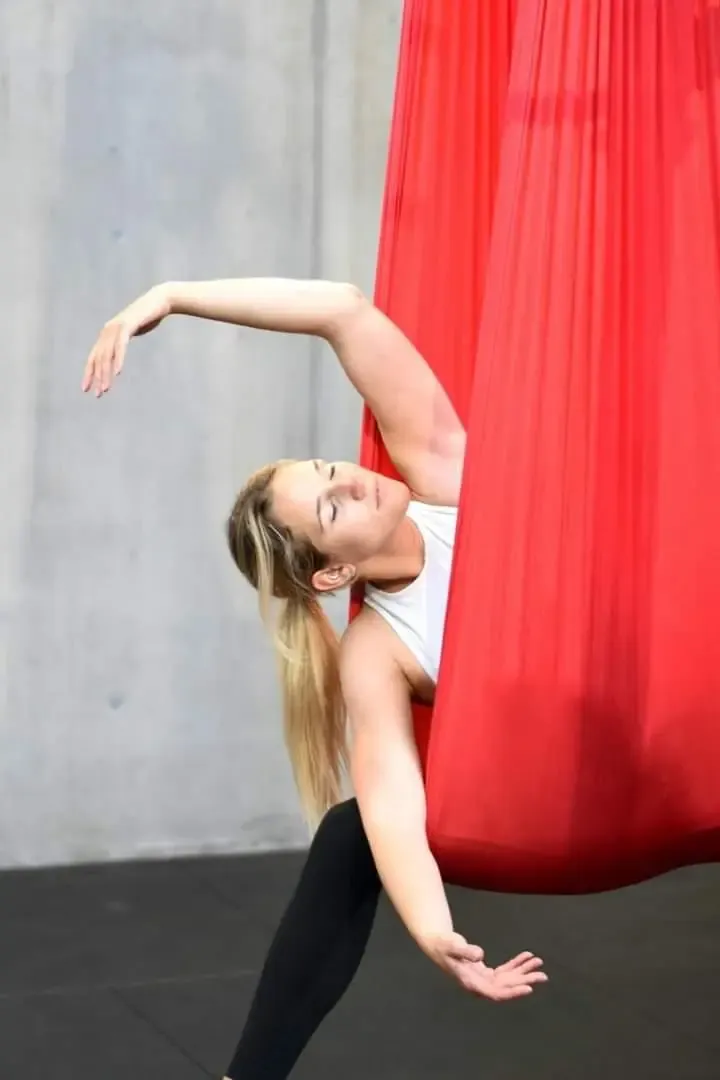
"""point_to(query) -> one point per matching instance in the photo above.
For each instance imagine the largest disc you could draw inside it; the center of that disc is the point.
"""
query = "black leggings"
(316, 950)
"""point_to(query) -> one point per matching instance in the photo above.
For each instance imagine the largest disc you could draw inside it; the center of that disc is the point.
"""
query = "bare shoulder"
(420, 427)
(383, 753)
(371, 670)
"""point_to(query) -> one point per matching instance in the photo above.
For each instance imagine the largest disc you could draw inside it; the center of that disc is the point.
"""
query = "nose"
(352, 489)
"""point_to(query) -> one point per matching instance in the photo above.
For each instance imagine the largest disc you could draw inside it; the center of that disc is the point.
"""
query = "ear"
(335, 577)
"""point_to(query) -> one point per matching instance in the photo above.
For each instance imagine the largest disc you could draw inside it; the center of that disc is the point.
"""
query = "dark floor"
(145, 971)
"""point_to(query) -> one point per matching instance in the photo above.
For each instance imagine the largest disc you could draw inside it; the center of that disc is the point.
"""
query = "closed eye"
(333, 505)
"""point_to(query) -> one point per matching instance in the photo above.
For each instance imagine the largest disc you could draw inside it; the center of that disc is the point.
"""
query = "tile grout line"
(135, 1011)
(93, 988)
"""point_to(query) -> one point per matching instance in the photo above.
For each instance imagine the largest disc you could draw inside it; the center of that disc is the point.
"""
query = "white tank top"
(417, 612)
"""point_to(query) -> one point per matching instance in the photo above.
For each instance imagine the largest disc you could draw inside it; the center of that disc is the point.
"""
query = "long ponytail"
(314, 714)
(281, 566)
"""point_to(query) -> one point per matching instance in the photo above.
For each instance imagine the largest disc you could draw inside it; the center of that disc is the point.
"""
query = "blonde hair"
(280, 565)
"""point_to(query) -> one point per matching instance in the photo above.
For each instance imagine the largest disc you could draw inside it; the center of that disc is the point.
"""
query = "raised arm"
(389, 786)
(420, 428)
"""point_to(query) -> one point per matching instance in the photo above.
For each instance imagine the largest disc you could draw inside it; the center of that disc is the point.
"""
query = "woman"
(302, 529)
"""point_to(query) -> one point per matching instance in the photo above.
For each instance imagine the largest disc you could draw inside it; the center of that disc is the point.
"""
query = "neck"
(400, 561)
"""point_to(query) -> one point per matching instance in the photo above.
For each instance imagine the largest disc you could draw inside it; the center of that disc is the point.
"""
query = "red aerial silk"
(551, 243)
(440, 188)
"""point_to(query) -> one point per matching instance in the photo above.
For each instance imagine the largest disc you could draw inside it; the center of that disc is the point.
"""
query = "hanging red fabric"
(575, 740)
(454, 63)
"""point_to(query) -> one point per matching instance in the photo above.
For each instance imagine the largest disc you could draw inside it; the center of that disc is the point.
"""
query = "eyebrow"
(319, 501)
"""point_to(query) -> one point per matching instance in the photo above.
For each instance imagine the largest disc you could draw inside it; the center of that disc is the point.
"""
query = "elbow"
(349, 302)
(352, 295)
(386, 810)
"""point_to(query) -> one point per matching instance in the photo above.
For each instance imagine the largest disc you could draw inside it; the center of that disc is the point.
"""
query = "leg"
(316, 951)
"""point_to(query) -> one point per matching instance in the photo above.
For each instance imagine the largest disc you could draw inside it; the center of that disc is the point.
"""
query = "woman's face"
(348, 512)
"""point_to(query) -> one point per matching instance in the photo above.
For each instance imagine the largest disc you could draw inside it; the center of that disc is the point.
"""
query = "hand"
(465, 963)
(108, 353)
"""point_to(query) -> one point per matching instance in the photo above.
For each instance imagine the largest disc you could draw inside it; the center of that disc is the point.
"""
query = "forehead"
(297, 476)
(295, 490)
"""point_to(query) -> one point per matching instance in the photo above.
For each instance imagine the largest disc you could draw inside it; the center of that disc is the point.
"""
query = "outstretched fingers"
(105, 361)
(509, 993)
(524, 963)
(514, 979)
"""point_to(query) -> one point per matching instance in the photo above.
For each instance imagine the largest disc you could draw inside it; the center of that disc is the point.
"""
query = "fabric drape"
(551, 243)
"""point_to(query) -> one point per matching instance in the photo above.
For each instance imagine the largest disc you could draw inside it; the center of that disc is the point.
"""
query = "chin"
(394, 496)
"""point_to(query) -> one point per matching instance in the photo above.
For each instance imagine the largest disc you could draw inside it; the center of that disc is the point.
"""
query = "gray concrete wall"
(142, 142)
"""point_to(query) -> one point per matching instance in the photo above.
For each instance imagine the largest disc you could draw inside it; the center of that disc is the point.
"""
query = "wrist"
(166, 295)
(427, 938)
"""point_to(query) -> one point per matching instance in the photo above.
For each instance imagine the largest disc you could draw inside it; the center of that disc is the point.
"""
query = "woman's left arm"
(389, 786)
(388, 783)
(390, 791)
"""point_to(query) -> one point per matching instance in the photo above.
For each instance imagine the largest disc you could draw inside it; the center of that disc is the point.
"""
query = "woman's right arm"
(389, 786)
(419, 425)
